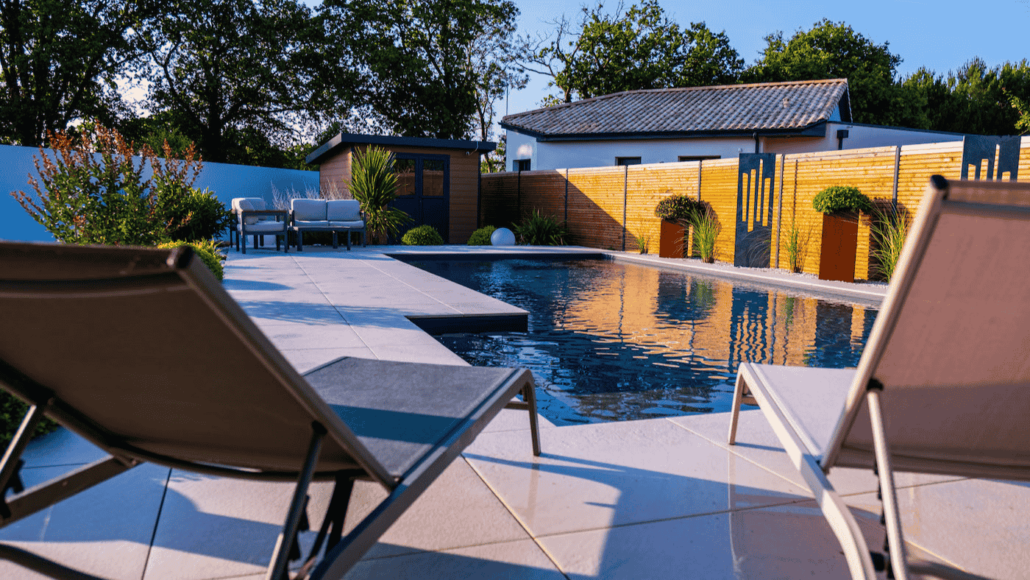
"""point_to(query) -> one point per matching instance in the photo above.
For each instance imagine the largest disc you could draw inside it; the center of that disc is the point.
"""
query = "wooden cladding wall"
(613, 207)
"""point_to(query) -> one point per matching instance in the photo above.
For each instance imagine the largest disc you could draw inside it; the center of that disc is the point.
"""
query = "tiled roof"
(762, 107)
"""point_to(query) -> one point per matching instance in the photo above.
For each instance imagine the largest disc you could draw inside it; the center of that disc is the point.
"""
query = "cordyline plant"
(374, 184)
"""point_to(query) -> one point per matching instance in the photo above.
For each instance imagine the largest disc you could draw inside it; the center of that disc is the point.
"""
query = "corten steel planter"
(840, 246)
(671, 240)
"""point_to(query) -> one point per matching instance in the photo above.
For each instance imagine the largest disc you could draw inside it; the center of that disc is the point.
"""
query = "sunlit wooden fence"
(613, 207)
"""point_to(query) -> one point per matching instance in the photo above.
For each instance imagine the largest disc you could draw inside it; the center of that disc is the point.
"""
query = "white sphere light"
(502, 237)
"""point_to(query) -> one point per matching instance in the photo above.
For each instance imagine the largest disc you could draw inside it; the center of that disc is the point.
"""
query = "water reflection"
(611, 341)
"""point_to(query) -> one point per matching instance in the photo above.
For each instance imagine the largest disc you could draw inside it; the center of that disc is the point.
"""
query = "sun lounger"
(943, 385)
(145, 355)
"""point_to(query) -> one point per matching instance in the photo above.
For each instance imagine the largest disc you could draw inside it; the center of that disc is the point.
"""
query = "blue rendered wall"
(226, 181)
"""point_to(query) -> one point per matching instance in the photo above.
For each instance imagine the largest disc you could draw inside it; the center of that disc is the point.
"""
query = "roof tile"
(754, 107)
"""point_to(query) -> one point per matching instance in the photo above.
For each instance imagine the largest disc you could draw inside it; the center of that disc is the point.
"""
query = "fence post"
(625, 190)
(566, 196)
(897, 171)
(700, 163)
(779, 212)
(518, 199)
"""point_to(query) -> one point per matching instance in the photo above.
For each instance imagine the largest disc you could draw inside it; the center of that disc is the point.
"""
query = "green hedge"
(841, 199)
(481, 237)
(424, 235)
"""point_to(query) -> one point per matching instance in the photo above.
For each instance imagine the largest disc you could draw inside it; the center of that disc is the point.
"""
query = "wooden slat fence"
(613, 207)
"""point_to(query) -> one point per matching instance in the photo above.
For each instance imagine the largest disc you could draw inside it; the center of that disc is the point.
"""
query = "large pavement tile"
(105, 530)
(217, 527)
(431, 354)
(789, 541)
(757, 441)
(302, 336)
(282, 309)
(515, 420)
(522, 560)
(981, 525)
(597, 476)
(457, 510)
(306, 359)
(390, 331)
(60, 447)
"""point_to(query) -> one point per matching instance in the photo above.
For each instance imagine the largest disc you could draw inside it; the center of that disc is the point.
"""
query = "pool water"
(610, 341)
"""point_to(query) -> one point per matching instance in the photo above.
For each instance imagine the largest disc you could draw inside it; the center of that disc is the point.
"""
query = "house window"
(521, 165)
(627, 161)
(696, 157)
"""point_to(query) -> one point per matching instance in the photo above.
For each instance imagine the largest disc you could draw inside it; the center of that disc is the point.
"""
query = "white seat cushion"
(307, 210)
(311, 225)
(811, 399)
(357, 224)
(265, 226)
(343, 210)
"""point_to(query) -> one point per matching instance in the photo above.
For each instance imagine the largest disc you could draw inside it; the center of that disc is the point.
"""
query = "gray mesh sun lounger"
(145, 355)
(943, 385)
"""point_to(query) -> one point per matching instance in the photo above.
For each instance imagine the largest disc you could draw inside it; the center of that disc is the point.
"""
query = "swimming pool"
(610, 341)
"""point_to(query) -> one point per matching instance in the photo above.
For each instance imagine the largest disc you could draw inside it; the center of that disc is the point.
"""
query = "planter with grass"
(677, 212)
(840, 206)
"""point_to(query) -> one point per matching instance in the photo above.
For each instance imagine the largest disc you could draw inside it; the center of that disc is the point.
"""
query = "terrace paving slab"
(664, 497)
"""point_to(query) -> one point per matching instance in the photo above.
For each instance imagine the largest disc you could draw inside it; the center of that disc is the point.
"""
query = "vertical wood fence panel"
(599, 199)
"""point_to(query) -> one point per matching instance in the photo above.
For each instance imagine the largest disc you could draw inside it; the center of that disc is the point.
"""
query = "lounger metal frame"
(341, 552)
(813, 467)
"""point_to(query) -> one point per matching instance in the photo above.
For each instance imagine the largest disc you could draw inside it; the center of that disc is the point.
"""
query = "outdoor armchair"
(145, 355)
(943, 385)
(252, 218)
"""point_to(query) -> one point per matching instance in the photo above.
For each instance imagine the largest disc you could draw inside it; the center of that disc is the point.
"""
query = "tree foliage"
(640, 48)
(59, 61)
(426, 66)
(834, 50)
(236, 75)
(974, 99)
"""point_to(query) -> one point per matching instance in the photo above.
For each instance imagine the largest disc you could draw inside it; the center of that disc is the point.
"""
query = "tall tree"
(640, 48)
(835, 50)
(975, 99)
(418, 59)
(59, 61)
(238, 76)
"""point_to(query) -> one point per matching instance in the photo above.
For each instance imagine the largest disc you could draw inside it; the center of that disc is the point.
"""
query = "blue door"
(423, 191)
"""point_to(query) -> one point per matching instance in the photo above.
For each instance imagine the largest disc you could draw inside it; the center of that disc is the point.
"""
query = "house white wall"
(859, 137)
(562, 154)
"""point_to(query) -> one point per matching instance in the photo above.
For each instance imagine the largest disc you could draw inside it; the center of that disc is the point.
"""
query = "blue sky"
(941, 35)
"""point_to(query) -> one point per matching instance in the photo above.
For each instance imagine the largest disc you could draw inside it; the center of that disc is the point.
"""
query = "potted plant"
(840, 205)
(374, 184)
(677, 212)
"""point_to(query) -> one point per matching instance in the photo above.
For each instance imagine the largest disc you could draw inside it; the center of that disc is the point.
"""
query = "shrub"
(706, 231)
(481, 237)
(206, 250)
(424, 235)
(643, 240)
(374, 184)
(540, 230)
(677, 208)
(889, 229)
(12, 410)
(82, 200)
(796, 244)
(841, 199)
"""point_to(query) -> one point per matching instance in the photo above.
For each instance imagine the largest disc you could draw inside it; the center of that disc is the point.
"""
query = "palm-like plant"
(373, 183)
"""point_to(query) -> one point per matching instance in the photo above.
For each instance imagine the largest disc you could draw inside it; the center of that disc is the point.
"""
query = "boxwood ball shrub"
(424, 235)
(677, 208)
(481, 237)
(206, 250)
(841, 199)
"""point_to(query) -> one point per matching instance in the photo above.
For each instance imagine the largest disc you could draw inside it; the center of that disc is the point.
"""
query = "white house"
(669, 125)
